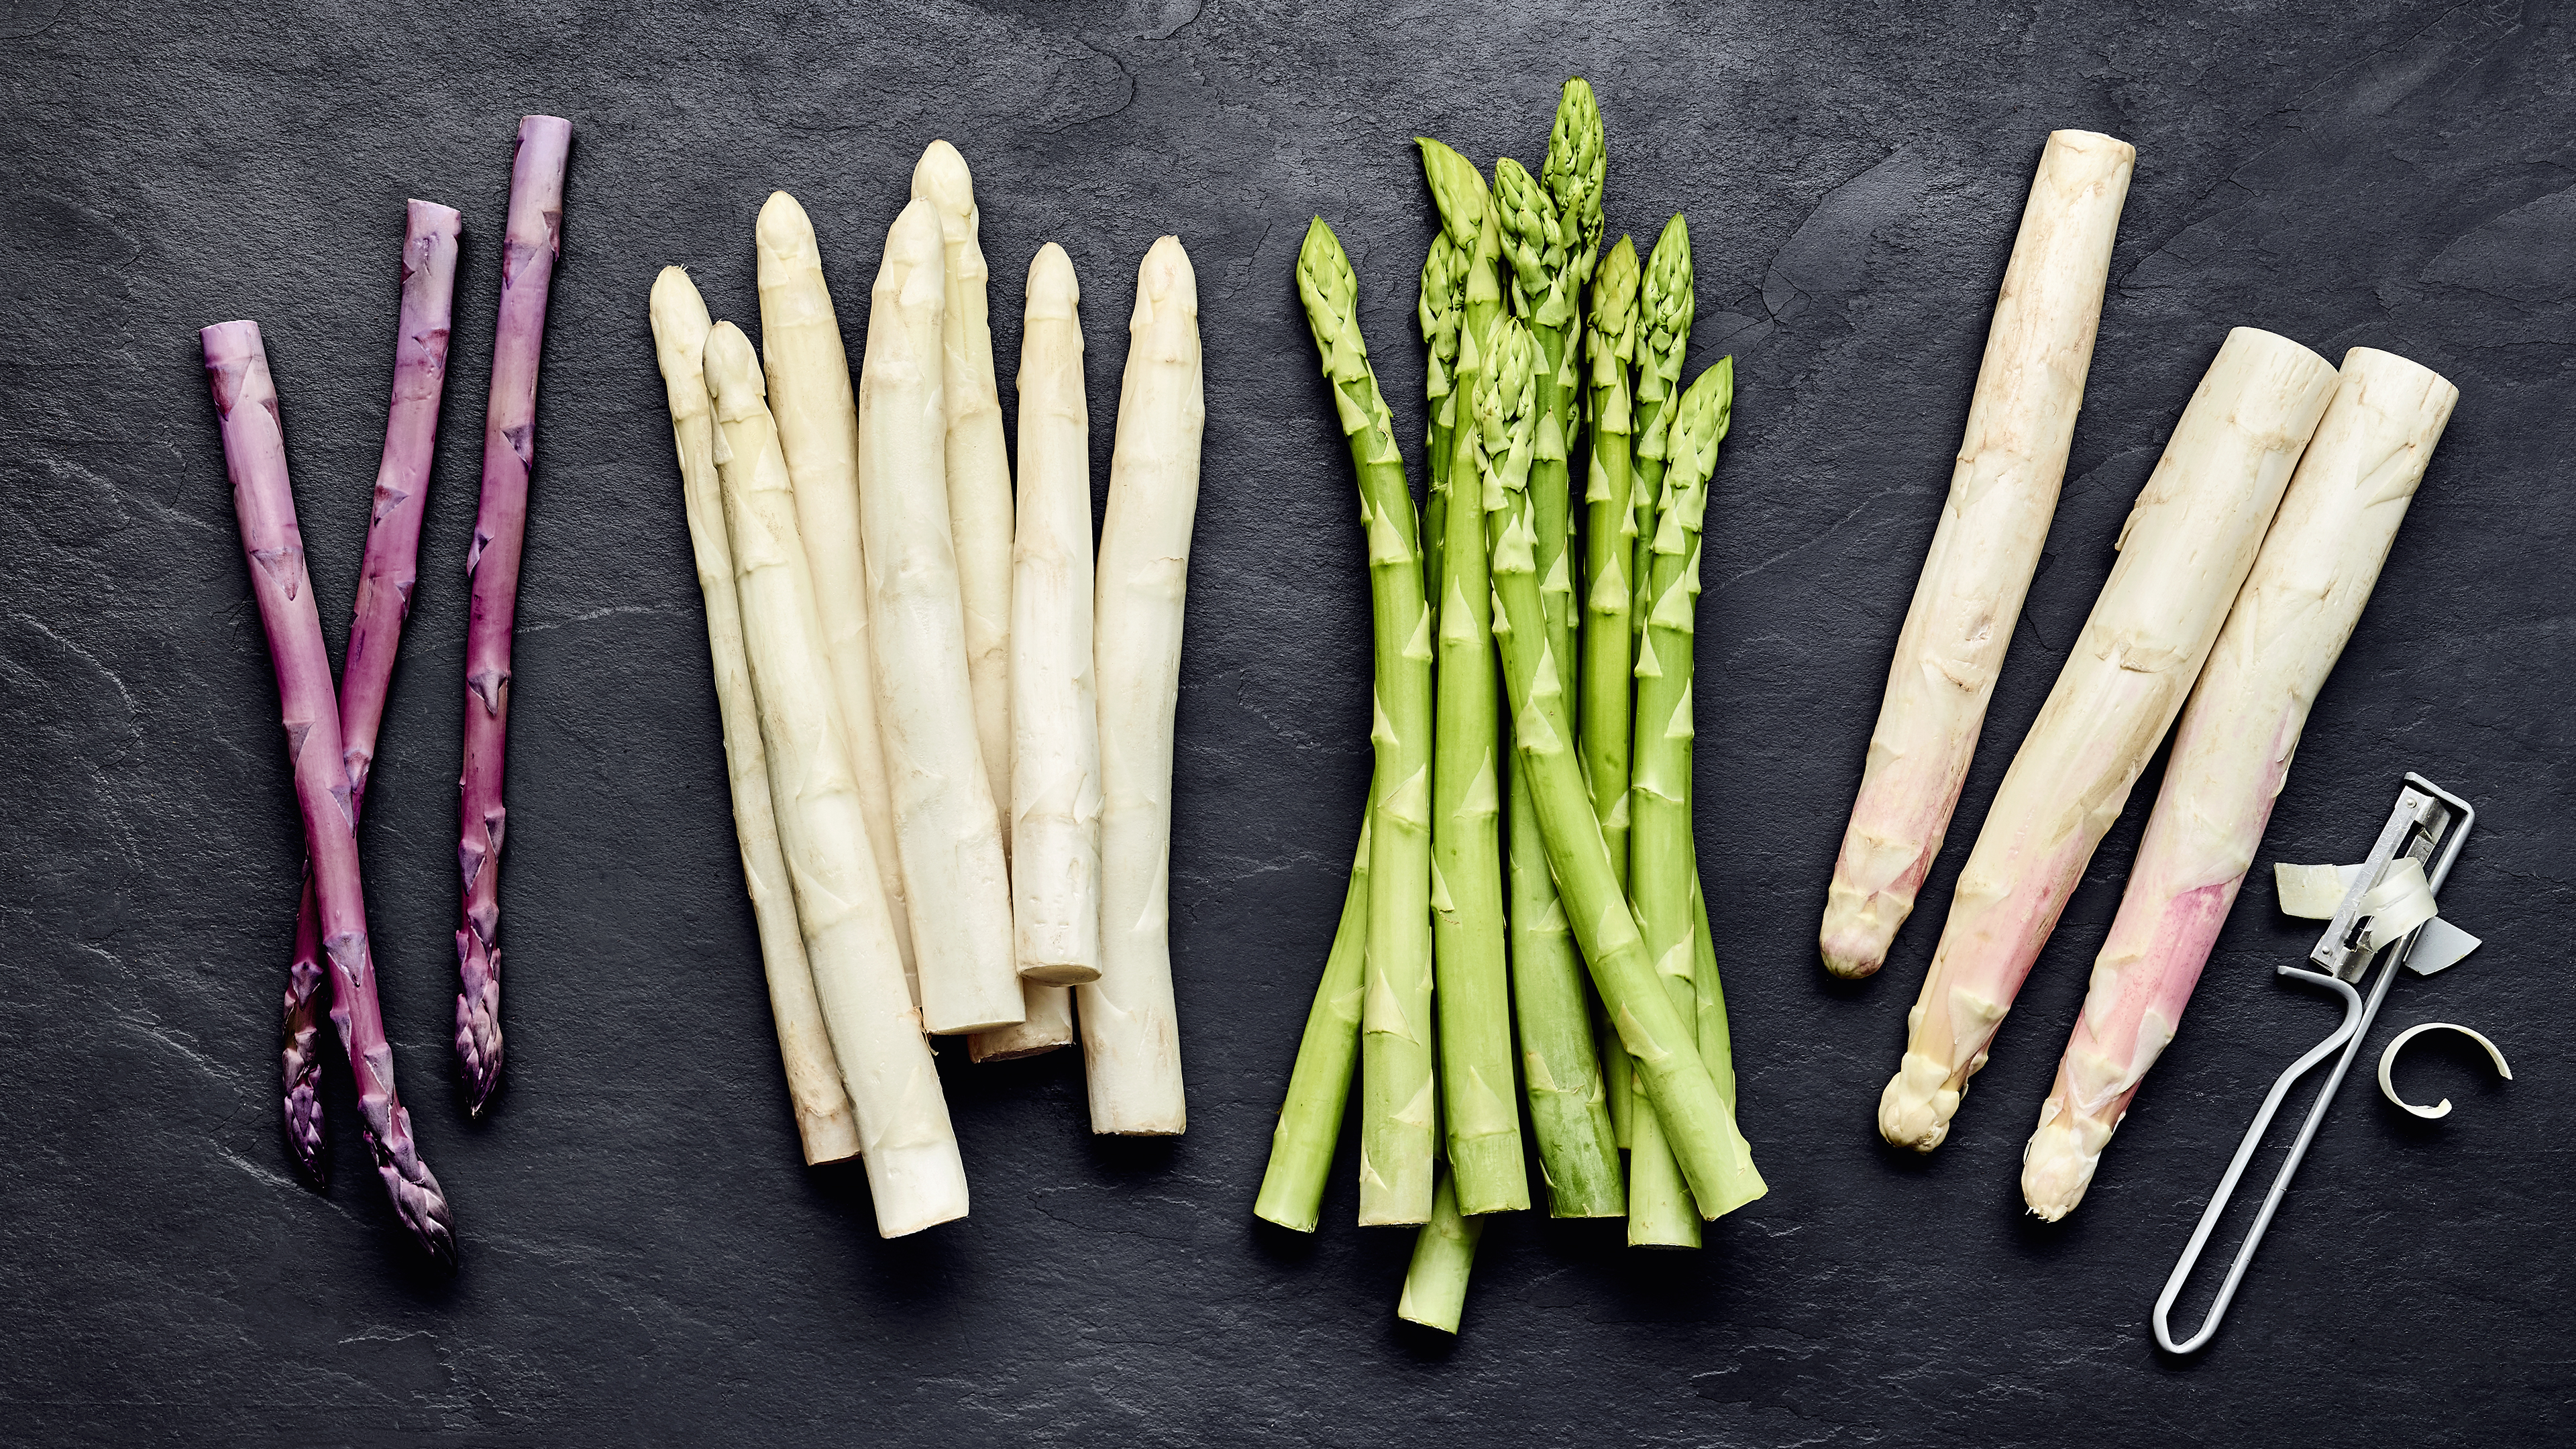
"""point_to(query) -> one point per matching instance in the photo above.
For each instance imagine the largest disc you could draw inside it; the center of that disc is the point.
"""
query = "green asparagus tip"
(1457, 188)
(1533, 246)
(1614, 298)
(1575, 170)
(1706, 410)
(1326, 285)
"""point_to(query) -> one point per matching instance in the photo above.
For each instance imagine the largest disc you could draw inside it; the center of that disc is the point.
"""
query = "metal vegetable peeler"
(2429, 825)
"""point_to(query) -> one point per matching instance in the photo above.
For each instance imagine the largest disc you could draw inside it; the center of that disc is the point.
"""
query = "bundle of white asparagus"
(908, 685)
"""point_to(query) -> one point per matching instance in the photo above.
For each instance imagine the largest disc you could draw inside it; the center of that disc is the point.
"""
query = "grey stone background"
(645, 1262)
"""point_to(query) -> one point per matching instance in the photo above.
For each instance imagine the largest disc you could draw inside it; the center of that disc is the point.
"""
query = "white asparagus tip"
(941, 177)
(1916, 1108)
(1165, 276)
(912, 249)
(784, 228)
(1053, 293)
(733, 372)
(2058, 1164)
(672, 289)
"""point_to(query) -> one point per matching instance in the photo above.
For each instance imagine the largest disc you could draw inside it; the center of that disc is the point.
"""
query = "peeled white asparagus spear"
(979, 471)
(2232, 751)
(823, 1120)
(818, 430)
(946, 827)
(1131, 1039)
(2183, 555)
(1049, 1025)
(1055, 737)
(914, 1173)
(2021, 421)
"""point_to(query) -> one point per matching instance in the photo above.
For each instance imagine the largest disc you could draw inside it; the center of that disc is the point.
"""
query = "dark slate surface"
(645, 1260)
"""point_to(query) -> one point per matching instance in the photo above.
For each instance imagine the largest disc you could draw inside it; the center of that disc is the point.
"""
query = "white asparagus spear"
(823, 1120)
(947, 830)
(2232, 751)
(2021, 421)
(979, 471)
(1131, 1040)
(914, 1174)
(1049, 1025)
(2184, 553)
(1055, 740)
(818, 430)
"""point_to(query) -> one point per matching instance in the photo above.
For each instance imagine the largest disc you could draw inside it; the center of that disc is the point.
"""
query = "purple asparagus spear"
(255, 456)
(384, 599)
(528, 250)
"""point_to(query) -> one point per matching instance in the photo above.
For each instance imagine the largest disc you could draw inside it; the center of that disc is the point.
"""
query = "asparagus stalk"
(1131, 1042)
(1666, 305)
(1055, 749)
(2184, 553)
(2232, 751)
(1319, 1085)
(532, 239)
(1569, 1114)
(1662, 880)
(1545, 295)
(1716, 1043)
(1047, 1027)
(264, 503)
(1444, 1252)
(1472, 987)
(1397, 1113)
(1573, 173)
(817, 414)
(947, 830)
(979, 471)
(1459, 196)
(1609, 526)
(385, 577)
(824, 1124)
(2021, 422)
(905, 1139)
(1658, 1039)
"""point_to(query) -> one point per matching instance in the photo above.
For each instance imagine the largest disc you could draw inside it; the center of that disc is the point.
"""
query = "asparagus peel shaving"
(905, 1141)
(385, 577)
(531, 241)
(1131, 1037)
(273, 545)
(1397, 1114)
(1662, 882)
(817, 413)
(1659, 1039)
(824, 1124)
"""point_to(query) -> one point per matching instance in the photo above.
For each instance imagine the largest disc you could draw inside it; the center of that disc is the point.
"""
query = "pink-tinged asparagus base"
(2185, 551)
(264, 503)
(2003, 491)
(2232, 752)
(385, 577)
(529, 246)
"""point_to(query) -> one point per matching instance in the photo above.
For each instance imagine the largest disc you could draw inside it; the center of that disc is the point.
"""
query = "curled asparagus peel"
(1560, 1071)
(264, 504)
(915, 1176)
(824, 1125)
(1319, 1085)
(2232, 751)
(1659, 1039)
(1662, 881)
(2003, 491)
(2184, 553)
(530, 243)
(1131, 1035)
(810, 397)
(385, 577)
(1398, 1116)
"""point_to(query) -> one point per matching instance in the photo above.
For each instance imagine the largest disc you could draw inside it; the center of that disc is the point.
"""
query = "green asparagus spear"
(1435, 1283)
(1658, 1037)
(1664, 308)
(1609, 526)
(1396, 1100)
(1479, 1107)
(1716, 1044)
(1662, 870)
(1569, 1113)
(1458, 192)
(1573, 174)
(1543, 293)
(1319, 1085)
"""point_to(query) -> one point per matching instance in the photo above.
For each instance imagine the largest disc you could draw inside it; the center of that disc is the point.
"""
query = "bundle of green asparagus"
(1529, 814)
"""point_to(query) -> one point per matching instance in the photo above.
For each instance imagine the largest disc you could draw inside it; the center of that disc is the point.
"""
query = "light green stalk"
(1544, 290)
(1397, 1107)
(1662, 871)
(1716, 1044)
(1444, 1252)
(1609, 540)
(1664, 309)
(1573, 173)
(1659, 1037)
(1458, 192)
(1319, 1085)
(1479, 1107)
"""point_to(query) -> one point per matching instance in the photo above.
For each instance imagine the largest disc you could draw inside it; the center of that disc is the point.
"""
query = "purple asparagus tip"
(301, 1070)
(417, 1198)
(478, 1032)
